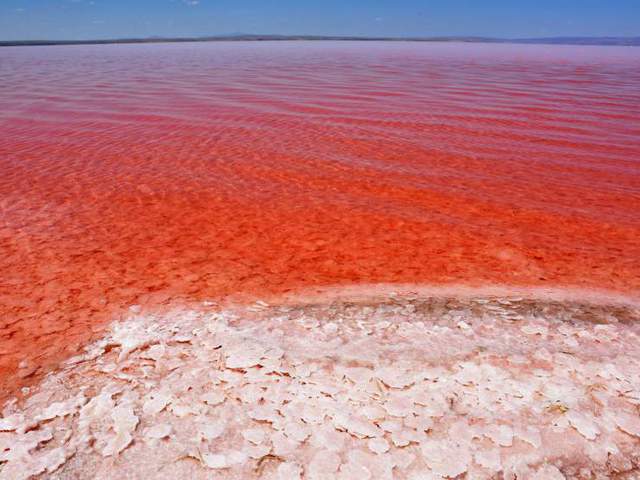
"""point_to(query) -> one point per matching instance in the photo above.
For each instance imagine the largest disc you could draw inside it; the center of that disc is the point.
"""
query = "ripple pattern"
(155, 174)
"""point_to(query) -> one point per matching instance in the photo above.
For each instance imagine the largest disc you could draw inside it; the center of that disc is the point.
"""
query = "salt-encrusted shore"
(364, 384)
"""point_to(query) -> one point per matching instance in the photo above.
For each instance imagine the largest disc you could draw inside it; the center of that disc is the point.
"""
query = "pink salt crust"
(376, 382)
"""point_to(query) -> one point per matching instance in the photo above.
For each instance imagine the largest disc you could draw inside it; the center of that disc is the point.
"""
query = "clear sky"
(86, 19)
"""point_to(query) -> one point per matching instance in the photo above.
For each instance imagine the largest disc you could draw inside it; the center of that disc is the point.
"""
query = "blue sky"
(83, 19)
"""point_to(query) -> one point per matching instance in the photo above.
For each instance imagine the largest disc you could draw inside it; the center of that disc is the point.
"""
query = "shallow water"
(161, 174)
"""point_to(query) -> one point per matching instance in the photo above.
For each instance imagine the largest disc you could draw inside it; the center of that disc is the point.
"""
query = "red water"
(156, 174)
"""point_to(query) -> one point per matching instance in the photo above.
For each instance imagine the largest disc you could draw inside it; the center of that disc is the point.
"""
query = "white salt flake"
(312, 415)
(182, 410)
(378, 445)
(628, 423)
(571, 342)
(424, 475)
(213, 398)
(289, 471)
(399, 406)
(420, 423)
(391, 426)
(19, 449)
(156, 402)
(53, 459)
(130, 336)
(264, 413)
(533, 329)
(211, 430)
(117, 443)
(401, 458)
(109, 368)
(548, 472)
(124, 423)
(296, 431)
(184, 338)
(253, 435)
(356, 426)
(327, 438)
(394, 378)
(257, 451)
(405, 437)
(350, 471)
(500, 434)
(358, 375)
(446, 458)
(323, 465)
(155, 352)
(282, 445)
(583, 424)
(531, 435)
(244, 356)
(62, 409)
(489, 459)
(250, 394)
(236, 457)
(9, 424)
(96, 409)
(215, 461)
(157, 432)
(373, 412)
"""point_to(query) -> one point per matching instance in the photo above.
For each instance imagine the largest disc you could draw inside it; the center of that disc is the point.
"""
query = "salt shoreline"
(376, 292)
(377, 381)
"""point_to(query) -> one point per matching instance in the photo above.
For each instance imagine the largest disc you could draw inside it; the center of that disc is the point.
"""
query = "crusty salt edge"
(338, 391)
(369, 293)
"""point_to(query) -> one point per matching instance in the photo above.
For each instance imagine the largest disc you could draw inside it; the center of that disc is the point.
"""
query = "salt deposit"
(407, 388)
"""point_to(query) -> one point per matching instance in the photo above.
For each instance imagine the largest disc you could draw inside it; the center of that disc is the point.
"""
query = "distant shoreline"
(600, 41)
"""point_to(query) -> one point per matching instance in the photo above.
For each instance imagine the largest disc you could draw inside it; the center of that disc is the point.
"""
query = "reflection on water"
(157, 174)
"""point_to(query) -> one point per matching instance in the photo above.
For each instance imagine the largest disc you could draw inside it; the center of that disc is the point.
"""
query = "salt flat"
(407, 386)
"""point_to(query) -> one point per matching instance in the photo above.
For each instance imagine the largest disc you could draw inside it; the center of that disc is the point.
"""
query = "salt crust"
(408, 389)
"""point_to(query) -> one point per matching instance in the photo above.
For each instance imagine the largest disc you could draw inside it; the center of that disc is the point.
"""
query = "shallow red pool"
(154, 174)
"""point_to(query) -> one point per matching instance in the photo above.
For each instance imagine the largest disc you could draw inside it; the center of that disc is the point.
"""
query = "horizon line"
(552, 40)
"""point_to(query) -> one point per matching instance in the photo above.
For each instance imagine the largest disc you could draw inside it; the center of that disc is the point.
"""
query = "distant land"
(625, 41)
